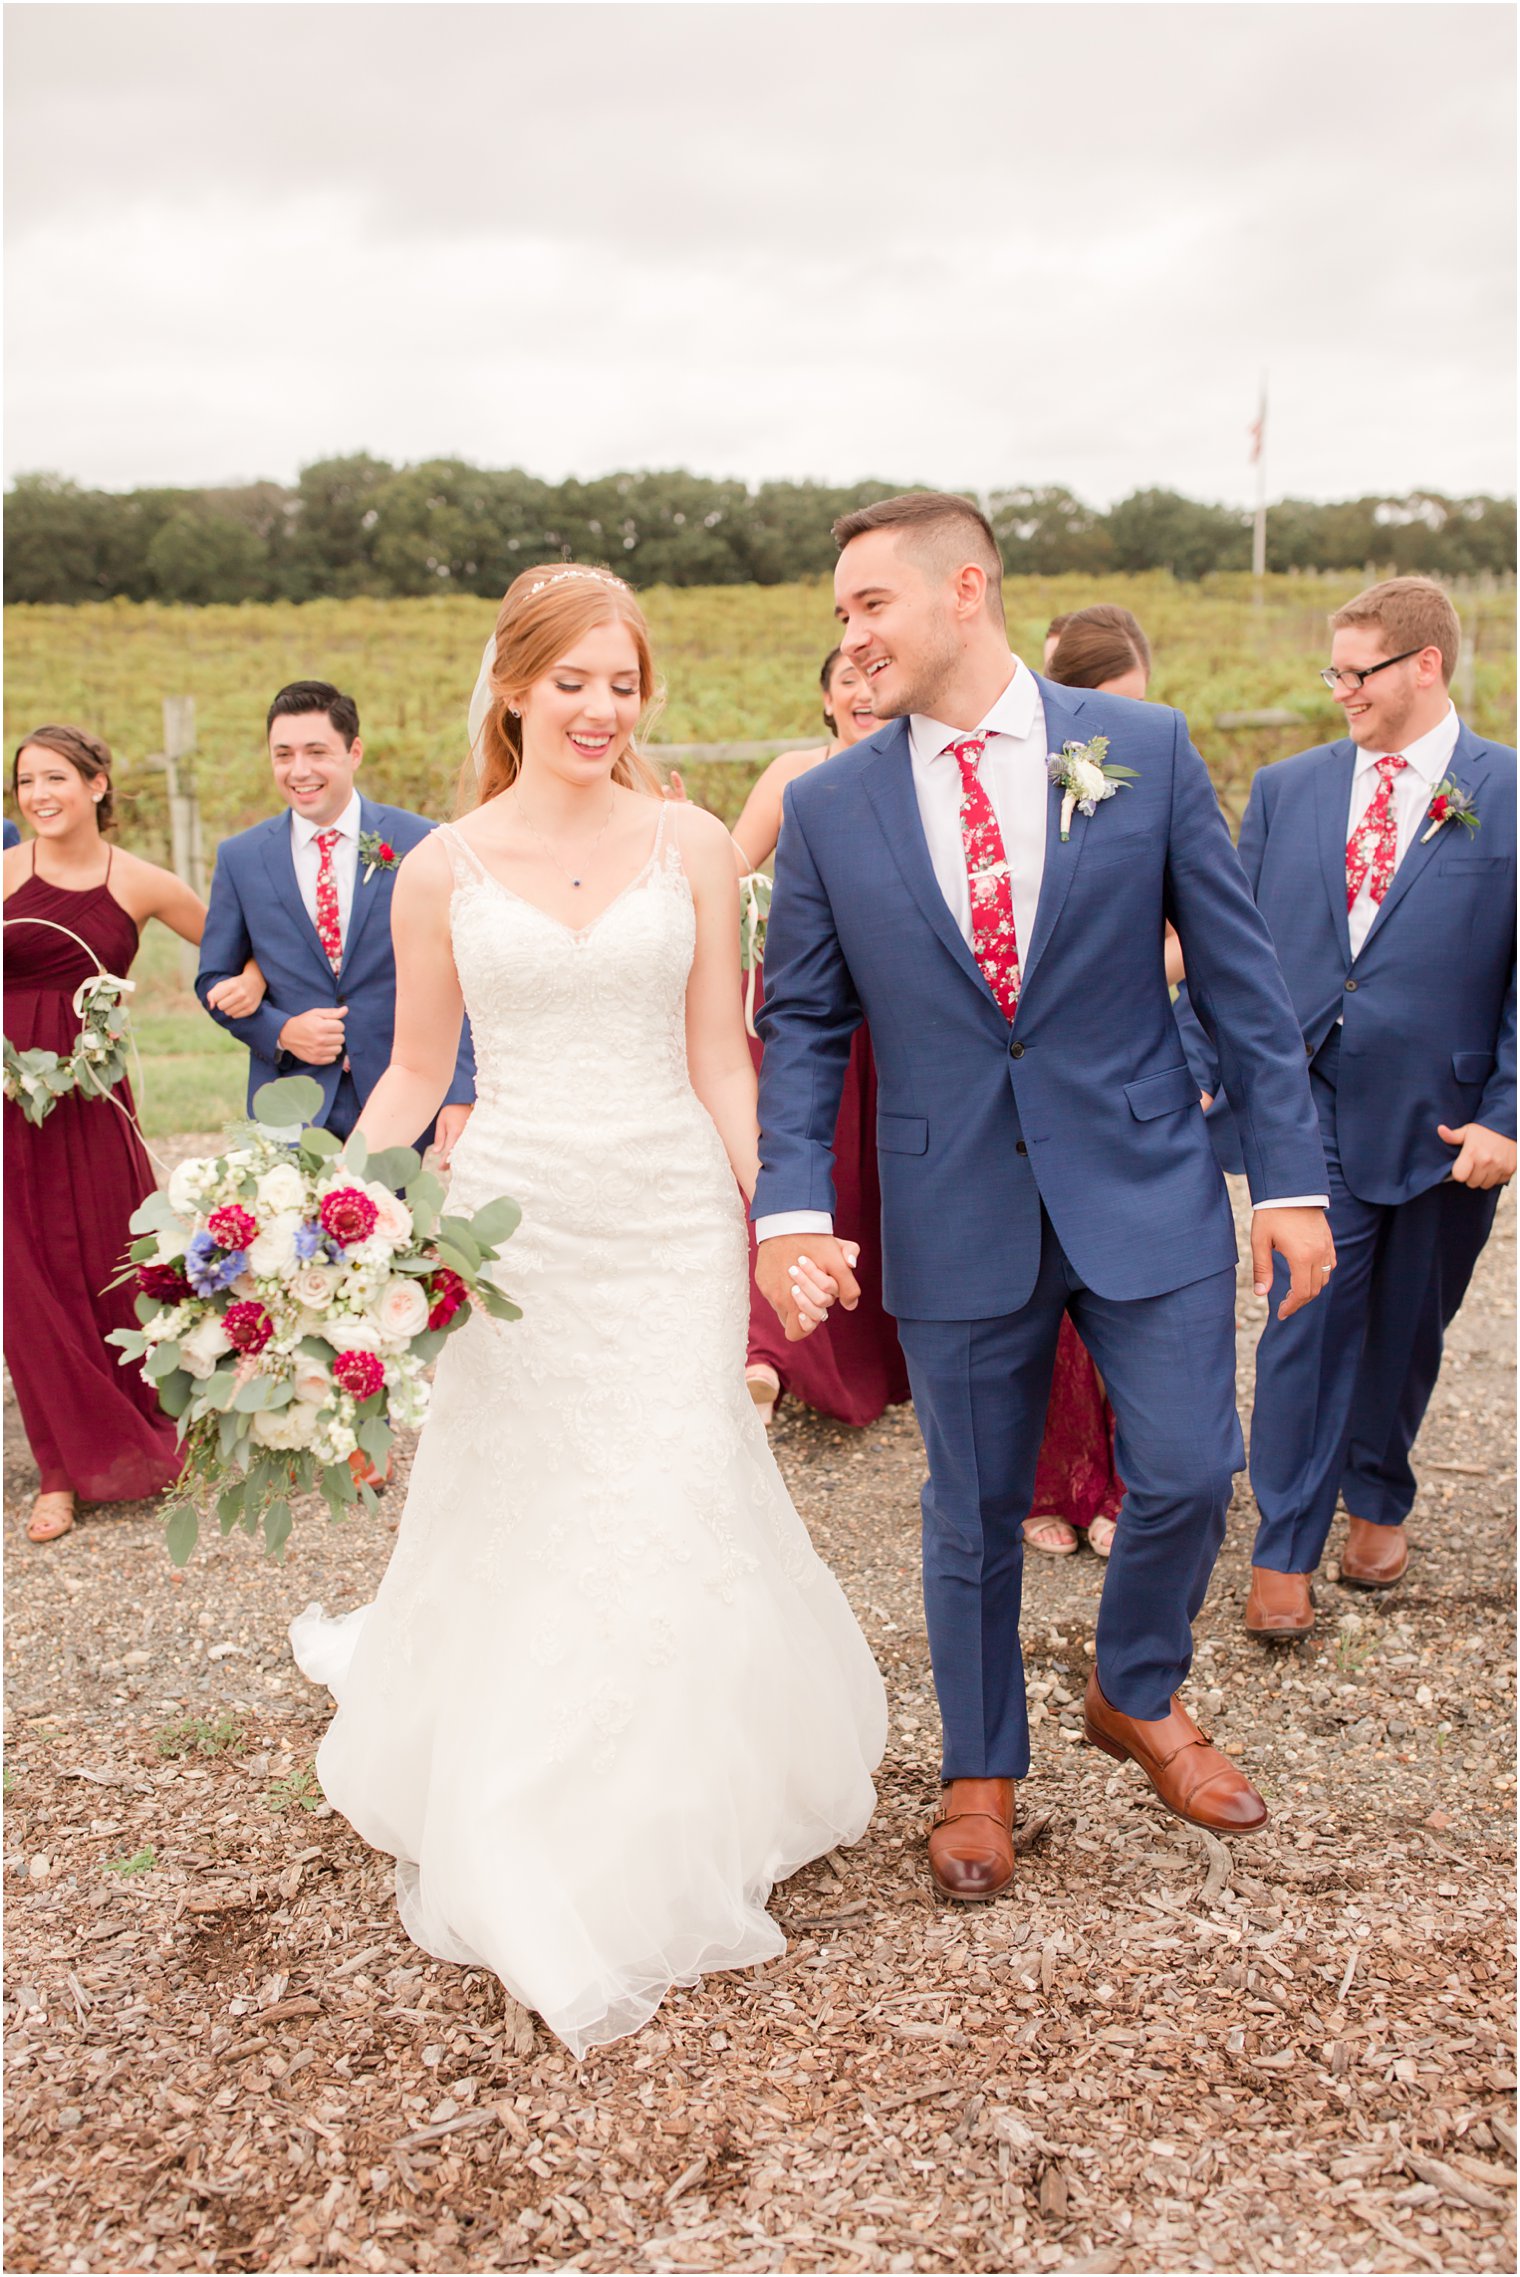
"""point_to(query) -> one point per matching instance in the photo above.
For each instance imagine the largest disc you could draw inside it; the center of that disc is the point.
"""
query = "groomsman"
(1384, 865)
(308, 893)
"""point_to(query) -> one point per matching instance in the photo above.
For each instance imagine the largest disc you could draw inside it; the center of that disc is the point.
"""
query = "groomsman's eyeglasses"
(1334, 677)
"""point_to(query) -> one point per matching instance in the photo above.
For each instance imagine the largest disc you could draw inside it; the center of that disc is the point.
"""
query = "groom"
(1040, 1140)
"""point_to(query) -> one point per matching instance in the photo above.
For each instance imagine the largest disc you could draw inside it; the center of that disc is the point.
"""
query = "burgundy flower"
(361, 1373)
(446, 1293)
(1440, 807)
(232, 1228)
(166, 1281)
(348, 1215)
(248, 1327)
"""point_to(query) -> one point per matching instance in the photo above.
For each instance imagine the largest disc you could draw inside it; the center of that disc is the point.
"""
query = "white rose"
(288, 1427)
(394, 1222)
(351, 1332)
(401, 1309)
(204, 1346)
(311, 1382)
(313, 1286)
(187, 1181)
(273, 1251)
(282, 1188)
(172, 1240)
(1090, 781)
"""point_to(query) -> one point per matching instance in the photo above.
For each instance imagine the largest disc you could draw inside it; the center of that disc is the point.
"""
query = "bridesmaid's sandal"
(52, 1516)
(1052, 1535)
(764, 1389)
(1100, 1535)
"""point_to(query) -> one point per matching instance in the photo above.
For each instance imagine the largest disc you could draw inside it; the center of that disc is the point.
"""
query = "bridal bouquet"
(289, 1301)
(39, 1079)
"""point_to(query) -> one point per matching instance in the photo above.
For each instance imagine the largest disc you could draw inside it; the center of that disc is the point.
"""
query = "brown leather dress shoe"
(971, 1840)
(1280, 1606)
(1187, 1771)
(1375, 1557)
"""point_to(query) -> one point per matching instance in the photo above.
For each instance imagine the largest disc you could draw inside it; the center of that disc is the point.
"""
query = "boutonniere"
(1450, 803)
(1083, 775)
(376, 853)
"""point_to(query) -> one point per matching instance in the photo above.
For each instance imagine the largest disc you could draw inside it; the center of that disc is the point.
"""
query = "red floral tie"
(1373, 846)
(993, 939)
(330, 931)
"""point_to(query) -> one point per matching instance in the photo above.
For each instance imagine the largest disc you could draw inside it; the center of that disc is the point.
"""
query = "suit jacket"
(1429, 1004)
(12, 833)
(256, 910)
(1086, 1104)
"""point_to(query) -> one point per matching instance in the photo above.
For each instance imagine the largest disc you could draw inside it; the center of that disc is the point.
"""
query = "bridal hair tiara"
(480, 701)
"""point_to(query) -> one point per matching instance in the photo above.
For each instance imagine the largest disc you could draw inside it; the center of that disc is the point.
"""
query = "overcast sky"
(971, 245)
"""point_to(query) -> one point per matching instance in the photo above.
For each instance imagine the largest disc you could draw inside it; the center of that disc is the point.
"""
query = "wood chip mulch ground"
(1158, 2053)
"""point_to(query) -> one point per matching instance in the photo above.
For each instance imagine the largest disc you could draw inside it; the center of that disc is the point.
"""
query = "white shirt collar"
(1013, 714)
(303, 830)
(1428, 755)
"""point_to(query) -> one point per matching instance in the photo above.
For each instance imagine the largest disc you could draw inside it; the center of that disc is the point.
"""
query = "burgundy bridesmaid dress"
(1076, 1479)
(71, 1185)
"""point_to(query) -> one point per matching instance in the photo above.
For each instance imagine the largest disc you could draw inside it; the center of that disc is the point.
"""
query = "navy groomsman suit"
(1413, 1029)
(257, 910)
(1057, 1165)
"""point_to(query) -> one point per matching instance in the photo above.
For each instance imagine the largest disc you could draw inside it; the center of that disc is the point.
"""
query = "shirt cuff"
(793, 1221)
(1295, 1202)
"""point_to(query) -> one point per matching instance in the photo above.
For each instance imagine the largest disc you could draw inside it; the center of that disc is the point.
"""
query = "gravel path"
(1155, 2054)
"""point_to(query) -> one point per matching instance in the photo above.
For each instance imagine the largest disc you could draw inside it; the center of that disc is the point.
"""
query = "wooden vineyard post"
(186, 857)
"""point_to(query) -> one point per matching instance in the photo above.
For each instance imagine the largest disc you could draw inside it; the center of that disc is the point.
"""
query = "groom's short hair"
(1410, 613)
(316, 696)
(941, 526)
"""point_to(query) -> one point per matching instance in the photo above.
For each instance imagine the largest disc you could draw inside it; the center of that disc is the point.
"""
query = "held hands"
(802, 1274)
(449, 1130)
(316, 1037)
(1302, 1239)
(240, 994)
(1487, 1157)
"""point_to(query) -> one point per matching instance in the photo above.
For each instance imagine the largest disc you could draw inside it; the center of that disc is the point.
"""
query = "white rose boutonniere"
(1085, 777)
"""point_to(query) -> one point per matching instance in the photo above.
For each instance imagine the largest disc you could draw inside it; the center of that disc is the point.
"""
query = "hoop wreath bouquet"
(289, 1302)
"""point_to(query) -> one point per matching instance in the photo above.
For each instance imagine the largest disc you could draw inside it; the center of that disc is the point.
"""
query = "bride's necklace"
(548, 848)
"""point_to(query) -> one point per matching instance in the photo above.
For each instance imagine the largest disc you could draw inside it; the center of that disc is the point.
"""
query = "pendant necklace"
(590, 850)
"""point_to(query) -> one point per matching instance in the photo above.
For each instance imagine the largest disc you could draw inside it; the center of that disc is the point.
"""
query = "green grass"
(141, 1862)
(192, 1735)
(194, 1075)
(299, 1790)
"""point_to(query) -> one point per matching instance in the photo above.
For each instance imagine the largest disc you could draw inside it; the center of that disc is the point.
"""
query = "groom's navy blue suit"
(1057, 1165)
(1417, 1030)
(256, 910)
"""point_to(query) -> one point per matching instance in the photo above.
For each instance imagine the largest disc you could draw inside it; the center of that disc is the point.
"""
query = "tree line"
(358, 525)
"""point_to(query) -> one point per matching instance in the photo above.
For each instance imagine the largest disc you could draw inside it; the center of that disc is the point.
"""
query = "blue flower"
(209, 1268)
(308, 1240)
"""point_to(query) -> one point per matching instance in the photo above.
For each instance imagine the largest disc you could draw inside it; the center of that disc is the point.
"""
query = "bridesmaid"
(73, 1182)
(1077, 1491)
(858, 1368)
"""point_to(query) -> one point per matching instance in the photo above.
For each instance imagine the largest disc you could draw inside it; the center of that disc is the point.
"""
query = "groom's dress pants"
(1342, 1387)
(981, 1388)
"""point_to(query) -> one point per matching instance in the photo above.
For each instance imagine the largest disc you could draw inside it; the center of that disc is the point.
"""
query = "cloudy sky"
(972, 245)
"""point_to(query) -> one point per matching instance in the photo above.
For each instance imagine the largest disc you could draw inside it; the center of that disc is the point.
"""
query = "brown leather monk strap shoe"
(1280, 1606)
(971, 1840)
(1181, 1762)
(1375, 1557)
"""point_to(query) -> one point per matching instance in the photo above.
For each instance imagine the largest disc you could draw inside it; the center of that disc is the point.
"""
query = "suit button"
(1015, 1051)
(1019, 1147)
(1350, 987)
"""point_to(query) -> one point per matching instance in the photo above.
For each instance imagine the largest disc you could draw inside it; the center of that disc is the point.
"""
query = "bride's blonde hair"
(544, 612)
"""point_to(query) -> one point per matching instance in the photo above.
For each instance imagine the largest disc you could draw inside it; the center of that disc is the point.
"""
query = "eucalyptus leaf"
(161, 1361)
(249, 1398)
(220, 1386)
(181, 1531)
(153, 1213)
(393, 1166)
(374, 1437)
(496, 1222)
(457, 1261)
(290, 1099)
(317, 1144)
(276, 1528)
(457, 1232)
(354, 1154)
(497, 1304)
(143, 1251)
(229, 1507)
(174, 1392)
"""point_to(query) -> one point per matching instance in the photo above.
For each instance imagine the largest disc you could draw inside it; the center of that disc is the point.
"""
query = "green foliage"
(193, 1735)
(298, 1790)
(141, 1862)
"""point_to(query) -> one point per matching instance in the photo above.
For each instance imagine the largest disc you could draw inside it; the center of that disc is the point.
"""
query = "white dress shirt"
(307, 856)
(1012, 773)
(1426, 761)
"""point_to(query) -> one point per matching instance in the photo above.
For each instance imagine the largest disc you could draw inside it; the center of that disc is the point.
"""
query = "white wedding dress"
(607, 1695)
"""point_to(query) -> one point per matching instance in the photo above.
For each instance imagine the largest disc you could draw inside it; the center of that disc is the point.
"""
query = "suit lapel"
(889, 786)
(280, 864)
(365, 896)
(1062, 705)
(1332, 794)
(1469, 766)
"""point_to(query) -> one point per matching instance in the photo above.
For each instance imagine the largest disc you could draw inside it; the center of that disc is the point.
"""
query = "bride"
(607, 1695)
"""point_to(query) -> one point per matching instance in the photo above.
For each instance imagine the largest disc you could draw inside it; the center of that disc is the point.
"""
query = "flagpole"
(1259, 534)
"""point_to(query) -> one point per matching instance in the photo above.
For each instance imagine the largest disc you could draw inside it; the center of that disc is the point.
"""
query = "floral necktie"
(993, 940)
(1373, 846)
(328, 927)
